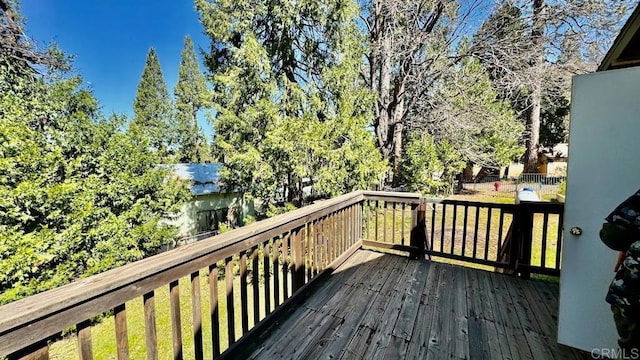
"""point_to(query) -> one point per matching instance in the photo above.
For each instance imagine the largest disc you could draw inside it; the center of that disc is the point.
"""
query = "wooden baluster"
(266, 255)
(346, 229)
(367, 217)
(384, 222)
(393, 223)
(432, 239)
(122, 340)
(244, 297)
(316, 248)
(545, 228)
(308, 243)
(453, 228)
(297, 250)
(151, 339)
(310, 249)
(342, 240)
(84, 340)
(321, 246)
(500, 232)
(285, 266)
(360, 224)
(196, 311)
(352, 234)
(228, 279)
(443, 226)
(464, 229)
(475, 231)
(330, 235)
(376, 221)
(176, 327)
(276, 273)
(488, 237)
(255, 281)
(214, 310)
(404, 206)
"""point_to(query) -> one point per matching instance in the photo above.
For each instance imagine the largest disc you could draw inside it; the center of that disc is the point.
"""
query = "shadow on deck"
(378, 306)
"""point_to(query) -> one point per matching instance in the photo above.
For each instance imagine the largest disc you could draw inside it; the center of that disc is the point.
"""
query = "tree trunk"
(537, 63)
(397, 136)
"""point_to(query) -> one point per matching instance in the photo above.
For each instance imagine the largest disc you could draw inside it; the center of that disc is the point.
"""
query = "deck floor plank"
(380, 306)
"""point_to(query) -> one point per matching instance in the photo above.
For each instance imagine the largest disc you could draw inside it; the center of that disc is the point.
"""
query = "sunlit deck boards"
(379, 306)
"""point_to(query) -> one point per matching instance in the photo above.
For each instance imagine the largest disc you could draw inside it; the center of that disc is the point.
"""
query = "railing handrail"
(23, 321)
(470, 203)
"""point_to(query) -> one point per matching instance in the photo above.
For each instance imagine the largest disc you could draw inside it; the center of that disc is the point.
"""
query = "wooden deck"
(379, 306)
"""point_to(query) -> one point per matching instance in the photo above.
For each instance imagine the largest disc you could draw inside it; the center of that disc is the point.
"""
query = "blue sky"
(110, 40)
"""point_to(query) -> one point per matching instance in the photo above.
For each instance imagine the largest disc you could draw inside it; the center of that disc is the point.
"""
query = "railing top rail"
(530, 206)
(406, 197)
(121, 284)
(470, 203)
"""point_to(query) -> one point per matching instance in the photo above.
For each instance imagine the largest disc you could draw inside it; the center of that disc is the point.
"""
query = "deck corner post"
(525, 240)
(418, 232)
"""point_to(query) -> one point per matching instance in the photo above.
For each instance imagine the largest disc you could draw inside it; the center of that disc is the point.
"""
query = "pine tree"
(191, 95)
(153, 109)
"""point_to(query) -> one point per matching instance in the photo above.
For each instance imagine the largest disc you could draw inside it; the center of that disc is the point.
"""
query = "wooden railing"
(236, 283)
(524, 238)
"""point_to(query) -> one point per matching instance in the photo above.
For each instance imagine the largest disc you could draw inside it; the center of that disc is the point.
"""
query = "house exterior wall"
(187, 220)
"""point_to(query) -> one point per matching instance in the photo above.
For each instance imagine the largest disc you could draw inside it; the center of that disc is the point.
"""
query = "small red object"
(496, 185)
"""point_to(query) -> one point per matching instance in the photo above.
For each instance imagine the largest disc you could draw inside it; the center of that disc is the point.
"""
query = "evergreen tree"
(191, 95)
(77, 195)
(290, 106)
(153, 109)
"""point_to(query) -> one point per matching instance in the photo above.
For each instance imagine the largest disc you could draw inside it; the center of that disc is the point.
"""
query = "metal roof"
(205, 178)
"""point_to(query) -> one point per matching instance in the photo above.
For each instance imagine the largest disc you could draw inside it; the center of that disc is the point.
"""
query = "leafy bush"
(78, 196)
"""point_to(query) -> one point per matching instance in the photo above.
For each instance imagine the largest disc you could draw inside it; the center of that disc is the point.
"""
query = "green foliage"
(78, 196)
(427, 167)
(467, 113)
(554, 119)
(562, 189)
(274, 210)
(288, 100)
(419, 166)
(153, 110)
(191, 95)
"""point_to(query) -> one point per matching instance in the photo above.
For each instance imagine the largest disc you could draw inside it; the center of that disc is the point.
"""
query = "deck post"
(525, 240)
(418, 232)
